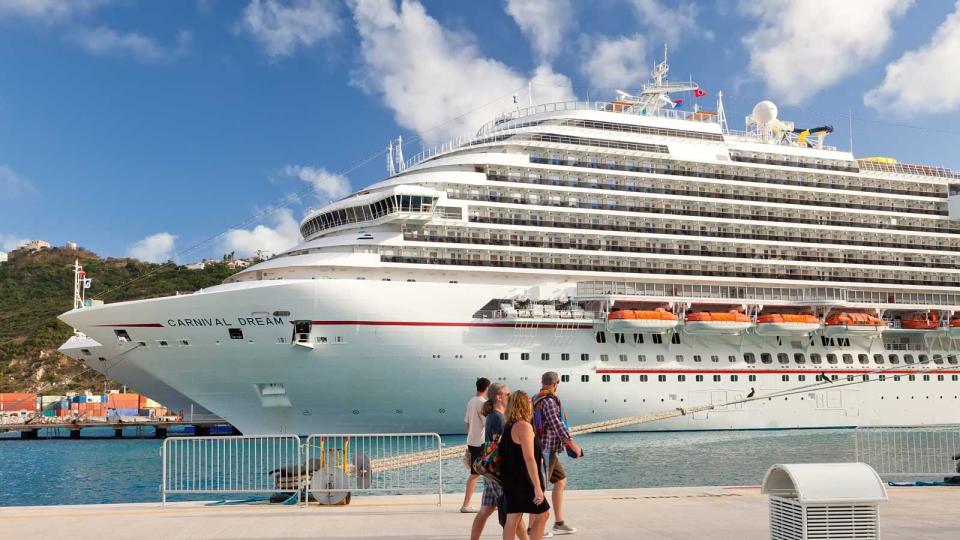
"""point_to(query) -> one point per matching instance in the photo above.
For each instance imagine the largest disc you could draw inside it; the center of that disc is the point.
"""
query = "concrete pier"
(738, 513)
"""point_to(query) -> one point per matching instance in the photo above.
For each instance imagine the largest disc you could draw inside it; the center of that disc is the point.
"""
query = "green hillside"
(36, 287)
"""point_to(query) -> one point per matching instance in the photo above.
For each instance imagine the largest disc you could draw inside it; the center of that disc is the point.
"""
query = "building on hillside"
(36, 245)
(72, 246)
(196, 266)
(237, 264)
(3, 256)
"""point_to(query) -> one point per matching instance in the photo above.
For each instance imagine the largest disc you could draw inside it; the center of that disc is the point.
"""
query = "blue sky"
(149, 128)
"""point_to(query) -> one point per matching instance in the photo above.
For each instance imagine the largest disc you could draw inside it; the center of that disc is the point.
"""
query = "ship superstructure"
(651, 256)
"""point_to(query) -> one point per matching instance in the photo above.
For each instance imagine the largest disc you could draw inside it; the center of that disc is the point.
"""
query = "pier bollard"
(74, 433)
(201, 431)
(118, 433)
(161, 432)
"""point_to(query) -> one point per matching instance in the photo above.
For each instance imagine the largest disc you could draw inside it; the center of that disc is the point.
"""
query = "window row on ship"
(670, 205)
(663, 265)
(719, 190)
(710, 248)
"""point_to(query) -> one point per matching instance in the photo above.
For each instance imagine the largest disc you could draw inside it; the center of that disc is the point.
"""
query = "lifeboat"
(645, 321)
(954, 331)
(853, 324)
(781, 324)
(920, 321)
(716, 322)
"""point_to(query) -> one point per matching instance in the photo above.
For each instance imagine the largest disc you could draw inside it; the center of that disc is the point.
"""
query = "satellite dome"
(764, 112)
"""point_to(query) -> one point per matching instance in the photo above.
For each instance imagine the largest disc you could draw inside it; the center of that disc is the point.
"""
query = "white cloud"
(544, 22)
(616, 63)
(13, 185)
(800, 48)
(923, 80)
(284, 234)
(48, 11)
(435, 80)
(10, 242)
(156, 248)
(671, 24)
(326, 185)
(106, 41)
(281, 27)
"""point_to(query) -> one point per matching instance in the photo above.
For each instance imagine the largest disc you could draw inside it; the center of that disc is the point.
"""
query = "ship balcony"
(953, 201)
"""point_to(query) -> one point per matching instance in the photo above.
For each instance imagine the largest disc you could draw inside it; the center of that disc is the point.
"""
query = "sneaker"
(546, 534)
(563, 528)
(468, 510)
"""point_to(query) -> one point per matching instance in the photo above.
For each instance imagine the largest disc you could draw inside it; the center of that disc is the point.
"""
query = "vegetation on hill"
(35, 287)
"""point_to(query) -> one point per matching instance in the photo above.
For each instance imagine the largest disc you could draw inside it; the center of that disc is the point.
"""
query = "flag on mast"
(698, 92)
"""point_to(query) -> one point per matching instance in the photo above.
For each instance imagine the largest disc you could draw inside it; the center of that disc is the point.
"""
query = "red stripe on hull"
(445, 324)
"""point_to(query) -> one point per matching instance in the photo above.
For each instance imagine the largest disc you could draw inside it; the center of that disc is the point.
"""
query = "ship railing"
(895, 451)
(903, 346)
(572, 314)
(231, 465)
(336, 465)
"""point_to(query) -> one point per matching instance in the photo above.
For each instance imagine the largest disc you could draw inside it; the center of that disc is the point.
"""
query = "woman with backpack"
(520, 469)
(497, 396)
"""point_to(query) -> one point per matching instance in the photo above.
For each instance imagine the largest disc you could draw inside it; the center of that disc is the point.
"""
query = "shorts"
(476, 452)
(554, 470)
(492, 493)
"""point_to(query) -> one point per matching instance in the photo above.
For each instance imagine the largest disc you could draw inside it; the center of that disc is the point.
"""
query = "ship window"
(681, 378)
(524, 356)
(281, 313)
(766, 358)
(605, 378)
(545, 356)
(799, 358)
(504, 356)
(565, 356)
(184, 343)
(657, 338)
(584, 357)
(752, 378)
(624, 378)
(952, 359)
(564, 378)
(938, 359)
(619, 337)
(894, 359)
(643, 378)
(638, 338)
(660, 358)
(714, 358)
(801, 378)
(732, 358)
(675, 339)
(785, 378)
(866, 378)
(783, 358)
(954, 378)
(163, 343)
(661, 378)
(908, 359)
(939, 377)
(641, 358)
(924, 359)
(878, 358)
(601, 337)
(716, 378)
(122, 336)
(863, 358)
(679, 358)
(815, 358)
(911, 377)
(584, 378)
(831, 358)
(604, 358)
(734, 378)
(623, 358)
(697, 358)
(896, 378)
(235, 333)
(749, 358)
(847, 358)
(699, 378)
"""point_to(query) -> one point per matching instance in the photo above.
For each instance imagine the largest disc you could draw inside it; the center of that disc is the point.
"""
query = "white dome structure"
(764, 113)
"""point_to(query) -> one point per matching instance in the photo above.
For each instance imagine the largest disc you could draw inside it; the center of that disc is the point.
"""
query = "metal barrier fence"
(909, 451)
(241, 464)
(394, 463)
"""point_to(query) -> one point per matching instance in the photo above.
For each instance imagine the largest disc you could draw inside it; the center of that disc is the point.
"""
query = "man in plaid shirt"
(554, 436)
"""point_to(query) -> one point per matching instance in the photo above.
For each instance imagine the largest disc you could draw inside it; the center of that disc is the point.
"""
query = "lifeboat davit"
(781, 324)
(716, 322)
(642, 321)
(920, 321)
(853, 324)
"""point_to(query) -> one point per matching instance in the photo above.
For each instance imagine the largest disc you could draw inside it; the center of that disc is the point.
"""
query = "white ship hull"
(396, 356)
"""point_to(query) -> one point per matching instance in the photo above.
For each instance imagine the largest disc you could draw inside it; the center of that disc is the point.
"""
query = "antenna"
(390, 164)
(530, 93)
(721, 114)
(80, 284)
(400, 163)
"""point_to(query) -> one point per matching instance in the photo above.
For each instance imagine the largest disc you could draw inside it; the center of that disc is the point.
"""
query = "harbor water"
(96, 471)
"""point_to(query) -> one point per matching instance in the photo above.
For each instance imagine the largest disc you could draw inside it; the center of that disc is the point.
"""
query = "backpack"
(488, 464)
(539, 423)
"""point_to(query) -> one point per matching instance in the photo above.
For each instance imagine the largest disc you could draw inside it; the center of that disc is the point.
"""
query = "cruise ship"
(653, 257)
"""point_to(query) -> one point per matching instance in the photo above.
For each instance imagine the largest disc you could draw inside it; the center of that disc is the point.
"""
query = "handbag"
(488, 464)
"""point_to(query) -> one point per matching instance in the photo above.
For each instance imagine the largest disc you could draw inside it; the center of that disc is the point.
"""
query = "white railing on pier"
(386, 463)
(234, 465)
(909, 451)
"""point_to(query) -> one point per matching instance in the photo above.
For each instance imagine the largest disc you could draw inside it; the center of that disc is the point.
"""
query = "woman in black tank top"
(521, 470)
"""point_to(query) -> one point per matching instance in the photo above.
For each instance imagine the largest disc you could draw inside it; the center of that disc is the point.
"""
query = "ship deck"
(688, 512)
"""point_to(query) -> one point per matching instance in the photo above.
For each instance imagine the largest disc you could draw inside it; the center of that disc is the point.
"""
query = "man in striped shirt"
(554, 435)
